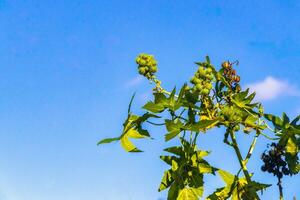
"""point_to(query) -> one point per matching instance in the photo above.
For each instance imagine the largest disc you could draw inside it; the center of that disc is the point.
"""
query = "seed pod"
(226, 65)
(236, 78)
(238, 88)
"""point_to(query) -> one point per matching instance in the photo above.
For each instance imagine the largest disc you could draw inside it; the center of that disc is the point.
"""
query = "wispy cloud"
(134, 81)
(272, 88)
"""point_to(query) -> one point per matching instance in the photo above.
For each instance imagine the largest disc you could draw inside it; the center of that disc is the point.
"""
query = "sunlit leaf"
(152, 107)
(190, 194)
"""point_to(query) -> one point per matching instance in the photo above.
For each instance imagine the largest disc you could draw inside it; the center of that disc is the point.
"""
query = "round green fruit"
(142, 70)
(208, 86)
(199, 86)
(205, 92)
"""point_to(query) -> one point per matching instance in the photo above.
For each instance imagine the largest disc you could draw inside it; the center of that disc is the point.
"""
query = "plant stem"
(251, 148)
(280, 189)
(240, 158)
(239, 155)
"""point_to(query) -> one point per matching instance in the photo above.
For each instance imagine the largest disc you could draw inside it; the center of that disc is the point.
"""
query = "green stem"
(239, 155)
(251, 148)
(240, 158)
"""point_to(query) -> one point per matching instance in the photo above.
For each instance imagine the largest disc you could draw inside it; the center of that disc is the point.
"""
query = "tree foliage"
(212, 99)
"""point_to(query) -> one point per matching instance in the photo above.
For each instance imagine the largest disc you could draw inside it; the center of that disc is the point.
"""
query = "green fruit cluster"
(202, 80)
(147, 65)
(232, 114)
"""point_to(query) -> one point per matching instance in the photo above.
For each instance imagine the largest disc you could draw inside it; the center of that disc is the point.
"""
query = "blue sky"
(67, 72)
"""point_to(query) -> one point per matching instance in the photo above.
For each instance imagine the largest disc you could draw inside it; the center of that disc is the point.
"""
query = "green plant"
(213, 99)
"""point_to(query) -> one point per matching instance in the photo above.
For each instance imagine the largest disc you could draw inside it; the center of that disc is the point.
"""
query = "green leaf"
(173, 192)
(173, 128)
(220, 194)
(237, 188)
(168, 159)
(190, 194)
(285, 118)
(277, 122)
(207, 59)
(291, 146)
(251, 121)
(175, 150)
(152, 107)
(108, 140)
(131, 100)
(227, 177)
(160, 98)
(295, 121)
(202, 125)
(127, 144)
(201, 153)
(175, 165)
(166, 181)
(243, 101)
(293, 163)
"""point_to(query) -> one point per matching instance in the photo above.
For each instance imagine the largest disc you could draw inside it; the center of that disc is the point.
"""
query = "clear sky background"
(67, 73)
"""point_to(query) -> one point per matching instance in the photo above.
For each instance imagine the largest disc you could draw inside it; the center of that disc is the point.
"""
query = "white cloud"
(272, 88)
(134, 82)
